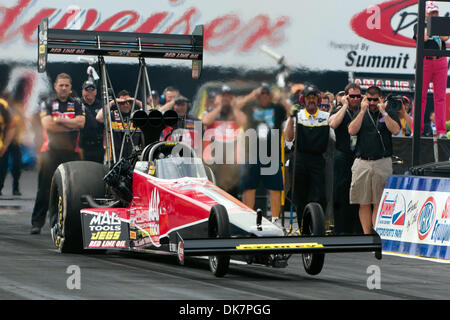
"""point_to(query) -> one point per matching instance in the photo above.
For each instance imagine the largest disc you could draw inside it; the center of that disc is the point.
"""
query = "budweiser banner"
(351, 35)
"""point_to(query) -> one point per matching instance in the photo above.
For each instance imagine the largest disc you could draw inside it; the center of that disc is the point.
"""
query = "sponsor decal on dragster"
(103, 230)
(148, 231)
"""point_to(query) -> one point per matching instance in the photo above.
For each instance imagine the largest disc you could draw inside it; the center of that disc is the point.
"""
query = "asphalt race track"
(31, 268)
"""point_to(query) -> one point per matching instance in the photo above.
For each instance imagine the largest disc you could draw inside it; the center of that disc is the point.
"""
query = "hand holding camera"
(294, 110)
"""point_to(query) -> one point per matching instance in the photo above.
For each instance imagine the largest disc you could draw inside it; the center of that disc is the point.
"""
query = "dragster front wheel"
(313, 225)
(219, 227)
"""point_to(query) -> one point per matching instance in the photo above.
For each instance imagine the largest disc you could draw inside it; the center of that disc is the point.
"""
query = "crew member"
(311, 134)
(91, 139)
(121, 124)
(62, 118)
(184, 131)
(374, 126)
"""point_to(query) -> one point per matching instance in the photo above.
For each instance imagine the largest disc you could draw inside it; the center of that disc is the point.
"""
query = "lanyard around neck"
(376, 128)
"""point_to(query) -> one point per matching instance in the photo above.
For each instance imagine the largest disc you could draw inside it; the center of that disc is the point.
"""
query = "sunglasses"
(354, 96)
(324, 106)
(89, 89)
(373, 99)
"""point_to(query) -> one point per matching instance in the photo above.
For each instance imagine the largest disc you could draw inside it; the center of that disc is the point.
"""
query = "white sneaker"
(277, 222)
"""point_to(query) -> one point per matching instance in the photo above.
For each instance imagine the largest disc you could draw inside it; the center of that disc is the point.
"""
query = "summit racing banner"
(414, 217)
(351, 35)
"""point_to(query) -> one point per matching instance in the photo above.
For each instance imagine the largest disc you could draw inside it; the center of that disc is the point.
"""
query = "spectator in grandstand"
(346, 220)
(374, 127)
(121, 124)
(435, 69)
(62, 118)
(91, 137)
(311, 134)
(267, 115)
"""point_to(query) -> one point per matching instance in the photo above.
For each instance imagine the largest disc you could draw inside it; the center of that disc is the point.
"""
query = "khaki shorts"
(368, 180)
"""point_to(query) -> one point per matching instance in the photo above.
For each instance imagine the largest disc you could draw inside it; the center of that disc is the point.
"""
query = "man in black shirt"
(62, 118)
(311, 134)
(91, 138)
(374, 128)
(123, 143)
(345, 215)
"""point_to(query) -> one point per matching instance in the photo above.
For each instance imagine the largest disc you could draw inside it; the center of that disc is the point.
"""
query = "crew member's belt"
(372, 158)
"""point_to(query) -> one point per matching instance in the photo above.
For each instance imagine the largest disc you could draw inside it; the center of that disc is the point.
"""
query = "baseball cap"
(265, 87)
(181, 99)
(88, 84)
(226, 89)
(406, 99)
(154, 93)
(431, 6)
(311, 89)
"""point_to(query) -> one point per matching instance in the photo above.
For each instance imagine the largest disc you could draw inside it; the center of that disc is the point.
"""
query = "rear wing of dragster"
(120, 44)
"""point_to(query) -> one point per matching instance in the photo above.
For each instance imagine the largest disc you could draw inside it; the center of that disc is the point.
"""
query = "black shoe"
(35, 230)
(17, 193)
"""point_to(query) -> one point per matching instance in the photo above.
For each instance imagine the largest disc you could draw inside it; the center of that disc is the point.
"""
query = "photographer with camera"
(374, 126)
(406, 124)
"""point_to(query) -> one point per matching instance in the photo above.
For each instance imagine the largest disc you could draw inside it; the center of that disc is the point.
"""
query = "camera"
(394, 103)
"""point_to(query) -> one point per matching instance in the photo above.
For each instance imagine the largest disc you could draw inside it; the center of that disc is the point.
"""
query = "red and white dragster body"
(161, 208)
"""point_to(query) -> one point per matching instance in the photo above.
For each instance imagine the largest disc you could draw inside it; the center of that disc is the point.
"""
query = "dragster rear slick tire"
(313, 225)
(219, 227)
(70, 181)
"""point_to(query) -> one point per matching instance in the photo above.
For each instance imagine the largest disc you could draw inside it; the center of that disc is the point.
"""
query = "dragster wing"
(120, 44)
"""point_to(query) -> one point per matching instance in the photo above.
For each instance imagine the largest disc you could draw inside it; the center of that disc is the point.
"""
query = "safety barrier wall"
(414, 217)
